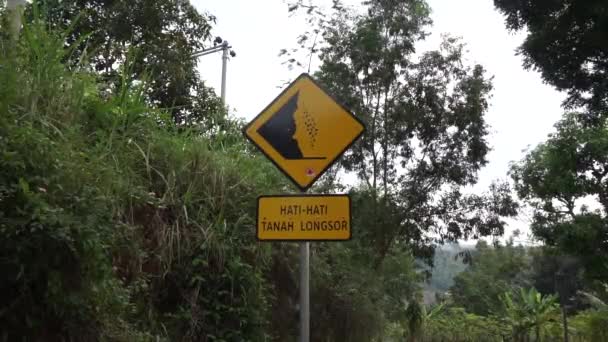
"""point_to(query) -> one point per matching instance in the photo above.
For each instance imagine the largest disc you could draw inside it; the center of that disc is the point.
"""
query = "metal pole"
(207, 51)
(225, 48)
(304, 291)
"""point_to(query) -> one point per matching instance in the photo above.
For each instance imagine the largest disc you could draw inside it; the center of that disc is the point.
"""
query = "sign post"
(304, 291)
(303, 132)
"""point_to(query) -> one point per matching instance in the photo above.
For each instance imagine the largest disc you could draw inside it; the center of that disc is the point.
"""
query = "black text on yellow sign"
(303, 131)
(304, 218)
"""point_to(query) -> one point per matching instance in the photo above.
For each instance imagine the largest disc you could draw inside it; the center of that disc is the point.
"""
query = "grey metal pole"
(225, 48)
(304, 291)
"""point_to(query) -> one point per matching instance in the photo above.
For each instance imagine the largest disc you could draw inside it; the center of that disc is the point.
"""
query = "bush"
(114, 224)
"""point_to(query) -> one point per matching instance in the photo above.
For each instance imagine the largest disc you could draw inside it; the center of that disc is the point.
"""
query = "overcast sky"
(522, 112)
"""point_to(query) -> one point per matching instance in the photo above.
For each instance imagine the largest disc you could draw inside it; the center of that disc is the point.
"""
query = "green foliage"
(115, 225)
(591, 325)
(119, 225)
(517, 288)
(415, 318)
(492, 271)
(425, 142)
(555, 177)
(528, 310)
(156, 38)
(56, 224)
(354, 300)
(426, 133)
(456, 324)
(419, 320)
(566, 42)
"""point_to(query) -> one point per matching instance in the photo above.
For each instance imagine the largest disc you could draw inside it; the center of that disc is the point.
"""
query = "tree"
(353, 300)
(426, 134)
(593, 322)
(156, 38)
(418, 319)
(455, 324)
(556, 273)
(554, 179)
(492, 271)
(528, 310)
(567, 43)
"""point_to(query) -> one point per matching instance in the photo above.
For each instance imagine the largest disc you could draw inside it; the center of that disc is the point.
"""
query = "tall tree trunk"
(14, 8)
(565, 322)
(374, 138)
(385, 152)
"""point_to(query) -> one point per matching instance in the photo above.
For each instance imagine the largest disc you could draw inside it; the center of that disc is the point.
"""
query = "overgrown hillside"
(115, 224)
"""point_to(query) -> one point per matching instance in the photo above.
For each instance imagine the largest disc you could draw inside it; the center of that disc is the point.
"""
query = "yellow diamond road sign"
(303, 131)
(304, 218)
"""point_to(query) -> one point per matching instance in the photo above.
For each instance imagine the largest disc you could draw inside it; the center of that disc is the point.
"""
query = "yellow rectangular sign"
(304, 218)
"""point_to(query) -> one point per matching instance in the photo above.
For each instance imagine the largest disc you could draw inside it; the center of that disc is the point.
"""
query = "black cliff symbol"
(279, 131)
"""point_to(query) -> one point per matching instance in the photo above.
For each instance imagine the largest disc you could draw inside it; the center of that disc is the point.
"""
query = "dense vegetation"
(116, 225)
(511, 291)
(127, 193)
(567, 43)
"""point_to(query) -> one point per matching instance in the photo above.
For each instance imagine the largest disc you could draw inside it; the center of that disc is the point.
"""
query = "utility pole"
(14, 9)
(227, 52)
(225, 48)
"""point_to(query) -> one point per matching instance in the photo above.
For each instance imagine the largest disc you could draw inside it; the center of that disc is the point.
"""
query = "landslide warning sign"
(304, 131)
(304, 218)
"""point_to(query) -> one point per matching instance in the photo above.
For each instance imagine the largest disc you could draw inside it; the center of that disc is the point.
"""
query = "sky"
(522, 109)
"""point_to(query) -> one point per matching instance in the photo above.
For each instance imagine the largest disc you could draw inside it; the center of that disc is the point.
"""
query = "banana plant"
(528, 310)
(418, 318)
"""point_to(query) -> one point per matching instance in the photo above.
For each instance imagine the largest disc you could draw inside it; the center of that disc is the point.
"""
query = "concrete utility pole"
(15, 9)
(227, 52)
(225, 48)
